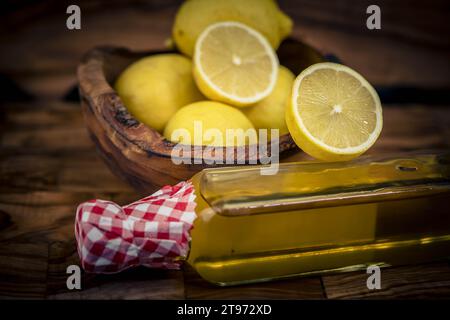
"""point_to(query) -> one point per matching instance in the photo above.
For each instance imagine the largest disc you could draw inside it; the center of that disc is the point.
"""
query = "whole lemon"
(269, 113)
(262, 15)
(155, 87)
(209, 123)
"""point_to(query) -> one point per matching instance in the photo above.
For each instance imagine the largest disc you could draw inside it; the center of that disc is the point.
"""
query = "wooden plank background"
(48, 164)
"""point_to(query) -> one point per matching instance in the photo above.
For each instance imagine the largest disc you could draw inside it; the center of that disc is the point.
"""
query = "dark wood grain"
(430, 281)
(408, 49)
(295, 288)
(134, 284)
(23, 270)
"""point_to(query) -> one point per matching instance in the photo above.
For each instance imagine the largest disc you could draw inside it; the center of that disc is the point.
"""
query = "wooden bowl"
(140, 154)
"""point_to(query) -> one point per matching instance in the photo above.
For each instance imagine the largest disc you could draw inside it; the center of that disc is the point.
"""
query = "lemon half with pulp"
(335, 114)
(234, 64)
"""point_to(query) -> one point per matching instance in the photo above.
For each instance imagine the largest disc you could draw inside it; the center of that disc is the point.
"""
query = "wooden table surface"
(48, 164)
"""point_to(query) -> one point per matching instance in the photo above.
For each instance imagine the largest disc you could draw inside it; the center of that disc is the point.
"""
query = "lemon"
(270, 112)
(204, 120)
(195, 15)
(155, 87)
(234, 64)
(335, 114)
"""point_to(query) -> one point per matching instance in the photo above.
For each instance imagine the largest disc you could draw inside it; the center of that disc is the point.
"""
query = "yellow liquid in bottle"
(317, 217)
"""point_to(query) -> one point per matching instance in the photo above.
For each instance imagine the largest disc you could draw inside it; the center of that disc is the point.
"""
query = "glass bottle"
(315, 217)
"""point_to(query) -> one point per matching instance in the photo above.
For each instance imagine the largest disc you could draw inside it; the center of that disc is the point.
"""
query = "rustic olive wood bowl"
(136, 152)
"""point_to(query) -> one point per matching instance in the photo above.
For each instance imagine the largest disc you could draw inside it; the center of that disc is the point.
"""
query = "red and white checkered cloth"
(153, 232)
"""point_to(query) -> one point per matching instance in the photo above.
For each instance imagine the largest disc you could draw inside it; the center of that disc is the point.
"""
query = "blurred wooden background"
(48, 163)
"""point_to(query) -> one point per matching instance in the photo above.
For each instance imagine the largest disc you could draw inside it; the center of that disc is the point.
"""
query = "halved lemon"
(235, 64)
(335, 114)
